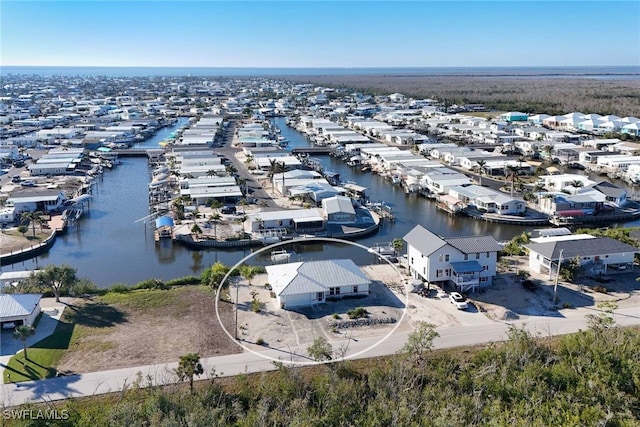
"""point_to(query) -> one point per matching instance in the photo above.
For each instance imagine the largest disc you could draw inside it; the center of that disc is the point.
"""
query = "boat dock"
(311, 150)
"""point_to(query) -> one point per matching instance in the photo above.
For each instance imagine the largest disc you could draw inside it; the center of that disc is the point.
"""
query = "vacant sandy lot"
(117, 335)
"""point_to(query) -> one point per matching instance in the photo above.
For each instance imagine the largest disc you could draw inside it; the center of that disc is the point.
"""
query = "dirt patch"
(118, 335)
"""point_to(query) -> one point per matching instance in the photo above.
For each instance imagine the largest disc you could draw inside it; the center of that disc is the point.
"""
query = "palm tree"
(196, 230)
(21, 333)
(576, 183)
(231, 169)
(276, 167)
(216, 204)
(211, 173)
(242, 183)
(398, 245)
(33, 218)
(215, 218)
(480, 164)
(511, 175)
(248, 271)
(243, 202)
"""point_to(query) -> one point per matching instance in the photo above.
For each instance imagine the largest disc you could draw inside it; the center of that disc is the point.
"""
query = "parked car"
(28, 184)
(458, 300)
(8, 325)
(228, 210)
(16, 178)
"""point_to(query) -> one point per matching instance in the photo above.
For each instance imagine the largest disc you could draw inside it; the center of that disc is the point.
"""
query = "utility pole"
(555, 286)
(236, 322)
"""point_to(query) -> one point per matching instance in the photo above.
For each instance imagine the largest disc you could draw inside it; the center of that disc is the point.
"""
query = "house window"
(438, 273)
(411, 260)
(484, 279)
(447, 272)
(466, 257)
(355, 289)
(446, 257)
(478, 255)
(320, 296)
(485, 267)
(443, 257)
(488, 255)
(334, 291)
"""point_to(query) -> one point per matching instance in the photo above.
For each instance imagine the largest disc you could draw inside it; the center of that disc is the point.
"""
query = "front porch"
(465, 276)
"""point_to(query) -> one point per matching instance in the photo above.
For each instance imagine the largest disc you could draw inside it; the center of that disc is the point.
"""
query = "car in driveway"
(458, 300)
(9, 325)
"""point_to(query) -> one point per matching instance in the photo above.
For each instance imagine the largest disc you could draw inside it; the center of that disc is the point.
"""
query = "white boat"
(279, 256)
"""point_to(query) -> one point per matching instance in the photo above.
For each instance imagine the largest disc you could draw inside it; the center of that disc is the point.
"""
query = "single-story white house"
(21, 309)
(302, 284)
(598, 254)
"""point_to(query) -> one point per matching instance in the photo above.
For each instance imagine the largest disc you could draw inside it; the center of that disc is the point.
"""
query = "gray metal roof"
(314, 276)
(466, 266)
(423, 240)
(15, 305)
(472, 245)
(609, 189)
(572, 248)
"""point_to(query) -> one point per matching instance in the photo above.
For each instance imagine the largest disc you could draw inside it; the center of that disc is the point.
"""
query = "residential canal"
(112, 243)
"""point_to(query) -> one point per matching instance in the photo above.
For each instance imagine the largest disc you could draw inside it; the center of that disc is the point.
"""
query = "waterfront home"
(45, 200)
(440, 180)
(571, 205)
(302, 284)
(200, 170)
(339, 209)
(19, 309)
(617, 163)
(614, 195)
(288, 220)
(487, 200)
(290, 162)
(467, 263)
(313, 189)
(206, 181)
(595, 254)
(633, 174)
(203, 194)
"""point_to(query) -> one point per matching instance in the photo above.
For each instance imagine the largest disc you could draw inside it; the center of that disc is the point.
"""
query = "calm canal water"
(111, 243)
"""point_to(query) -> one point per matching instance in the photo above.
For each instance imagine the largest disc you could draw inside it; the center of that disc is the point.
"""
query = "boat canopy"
(81, 199)
(164, 221)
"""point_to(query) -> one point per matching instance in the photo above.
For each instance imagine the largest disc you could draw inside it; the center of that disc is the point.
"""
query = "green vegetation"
(90, 318)
(43, 357)
(356, 313)
(320, 350)
(591, 378)
(515, 245)
(189, 367)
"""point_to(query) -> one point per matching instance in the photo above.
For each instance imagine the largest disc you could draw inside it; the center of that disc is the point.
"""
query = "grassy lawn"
(43, 356)
(89, 319)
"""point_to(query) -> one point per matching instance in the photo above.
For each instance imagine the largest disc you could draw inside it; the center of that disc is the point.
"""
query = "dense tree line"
(591, 378)
(547, 95)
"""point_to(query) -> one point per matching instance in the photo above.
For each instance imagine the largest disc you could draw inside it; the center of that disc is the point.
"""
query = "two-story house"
(468, 263)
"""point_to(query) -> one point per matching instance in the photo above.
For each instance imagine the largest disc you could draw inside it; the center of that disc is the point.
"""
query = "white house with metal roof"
(597, 254)
(38, 200)
(19, 309)
(468, 263)
(339, 209)
(487, 200)
(302, 284)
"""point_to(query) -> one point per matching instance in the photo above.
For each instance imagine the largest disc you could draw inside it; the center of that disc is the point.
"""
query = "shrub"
(335, 316)
(151, 284)
(120, 288)
(256, 305)
(600, 289)
(183, 281)
(566, 305)
(267, 286)
(260, 341)
(356, 313)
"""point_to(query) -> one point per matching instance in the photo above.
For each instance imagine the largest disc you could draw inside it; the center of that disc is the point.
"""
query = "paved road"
(247, 362)
(254, 188)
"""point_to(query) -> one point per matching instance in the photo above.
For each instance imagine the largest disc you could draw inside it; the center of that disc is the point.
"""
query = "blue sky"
(319, 34)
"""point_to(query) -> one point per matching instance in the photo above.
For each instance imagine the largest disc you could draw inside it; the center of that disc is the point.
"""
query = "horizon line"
(327, 66)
